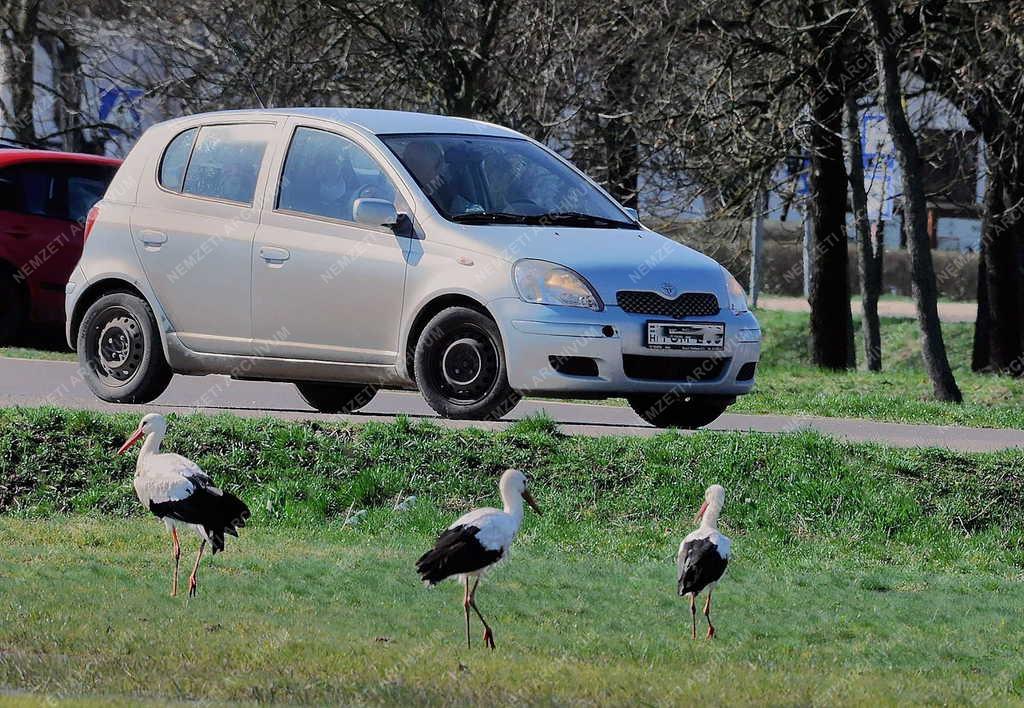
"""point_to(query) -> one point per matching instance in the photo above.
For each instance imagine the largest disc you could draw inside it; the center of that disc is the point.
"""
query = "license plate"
(685, 335)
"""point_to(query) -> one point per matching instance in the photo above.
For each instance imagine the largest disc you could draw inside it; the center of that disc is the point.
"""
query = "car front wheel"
(679, 411)
(335, 398)
(460, 366)
(119, 350)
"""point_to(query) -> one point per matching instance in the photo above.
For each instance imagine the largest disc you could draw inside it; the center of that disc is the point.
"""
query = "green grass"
(862, 574)
(32, 353)
(336, 616)
(788, 384)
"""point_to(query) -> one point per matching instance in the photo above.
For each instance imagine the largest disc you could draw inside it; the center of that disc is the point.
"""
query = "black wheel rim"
(116, 346)
(464, 365)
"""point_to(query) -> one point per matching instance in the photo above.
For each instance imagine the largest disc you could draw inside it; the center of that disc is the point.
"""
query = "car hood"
(620, 259)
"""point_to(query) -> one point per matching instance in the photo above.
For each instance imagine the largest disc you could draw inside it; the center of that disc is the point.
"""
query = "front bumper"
(533, 334)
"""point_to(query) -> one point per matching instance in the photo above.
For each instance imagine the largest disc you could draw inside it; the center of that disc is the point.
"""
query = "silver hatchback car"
(350, 250)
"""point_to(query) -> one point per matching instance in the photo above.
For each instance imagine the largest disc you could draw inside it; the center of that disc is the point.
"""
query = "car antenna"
(255, 92)
(248, 77)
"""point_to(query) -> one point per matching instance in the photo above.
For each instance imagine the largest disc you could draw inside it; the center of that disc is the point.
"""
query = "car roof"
(380, 122)
(12, 156)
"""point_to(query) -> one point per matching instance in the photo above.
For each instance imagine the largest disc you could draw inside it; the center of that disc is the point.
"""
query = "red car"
(44, 200)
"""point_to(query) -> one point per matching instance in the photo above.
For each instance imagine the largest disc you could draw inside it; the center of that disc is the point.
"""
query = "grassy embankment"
(862, 574)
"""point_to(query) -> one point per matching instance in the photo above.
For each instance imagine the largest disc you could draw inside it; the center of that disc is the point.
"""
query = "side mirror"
(633, 213)
(374, 212)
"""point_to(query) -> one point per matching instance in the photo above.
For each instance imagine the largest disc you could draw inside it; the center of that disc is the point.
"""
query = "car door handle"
(150, 237)
(274, 255)
(18, 233)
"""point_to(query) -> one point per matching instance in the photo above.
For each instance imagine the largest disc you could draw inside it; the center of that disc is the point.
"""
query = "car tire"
(679, 411)
(13, 307)
(119, 350)
(335, 398)
(460, 366)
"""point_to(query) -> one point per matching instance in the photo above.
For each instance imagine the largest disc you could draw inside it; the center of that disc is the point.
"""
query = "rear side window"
(225, 161)
(85, 188)
(324, 174)
(175, 160)
(53, 189)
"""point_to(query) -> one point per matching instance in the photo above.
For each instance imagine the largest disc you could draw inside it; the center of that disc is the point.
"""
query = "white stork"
(179, 493)
(477, 541)
(703, 556)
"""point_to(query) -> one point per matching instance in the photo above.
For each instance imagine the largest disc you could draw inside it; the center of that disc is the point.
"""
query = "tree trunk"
(981, 355)
(620, 136)
(67, 70)
(757, 245)
(807, 247)
(1002, 271)
(922, 270)
(869, 247)
(17, 54)
(830, 288)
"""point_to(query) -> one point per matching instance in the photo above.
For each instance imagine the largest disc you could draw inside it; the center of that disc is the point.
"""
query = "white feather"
(497, 528)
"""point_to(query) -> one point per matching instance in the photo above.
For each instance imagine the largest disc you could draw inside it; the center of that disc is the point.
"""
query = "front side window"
(40, 192)
(225, 161)
(35, 189)
(493, 180)
(324, 174)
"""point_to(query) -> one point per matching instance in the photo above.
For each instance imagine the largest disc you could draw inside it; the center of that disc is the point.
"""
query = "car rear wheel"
(119, 350)
(13, 307)
(672, 410)
(460, 366)
(335, 398)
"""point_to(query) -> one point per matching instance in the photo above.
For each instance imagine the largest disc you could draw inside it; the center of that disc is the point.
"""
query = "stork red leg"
(177, 560)
(707, 616)
(193, 580)
(488, 634)
(693, 613)
(465, 606)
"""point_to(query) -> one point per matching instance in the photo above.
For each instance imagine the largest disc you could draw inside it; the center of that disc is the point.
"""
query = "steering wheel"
(527, 207)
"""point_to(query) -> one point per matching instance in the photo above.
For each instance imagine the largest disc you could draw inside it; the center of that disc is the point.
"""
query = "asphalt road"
(36, 383)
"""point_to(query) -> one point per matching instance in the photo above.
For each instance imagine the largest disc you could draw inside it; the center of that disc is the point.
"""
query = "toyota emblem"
(668, 289)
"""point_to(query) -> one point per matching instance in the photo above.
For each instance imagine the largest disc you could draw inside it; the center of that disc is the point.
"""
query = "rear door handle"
(18, 233)
(150, 237)
(274, 255)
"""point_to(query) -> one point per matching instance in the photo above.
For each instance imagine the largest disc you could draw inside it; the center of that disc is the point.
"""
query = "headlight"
(551, 284)
(737, 296)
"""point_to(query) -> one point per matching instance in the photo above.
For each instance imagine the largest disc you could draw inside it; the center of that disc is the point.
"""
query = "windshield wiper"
(488, 217)
(576, 218)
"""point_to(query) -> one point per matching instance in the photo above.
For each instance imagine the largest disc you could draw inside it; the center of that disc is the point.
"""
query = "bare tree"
(19, 22)
(869, 245)
(973, 54)
(907, 153)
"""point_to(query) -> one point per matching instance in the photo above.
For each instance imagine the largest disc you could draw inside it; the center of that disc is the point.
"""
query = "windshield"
(489, 180)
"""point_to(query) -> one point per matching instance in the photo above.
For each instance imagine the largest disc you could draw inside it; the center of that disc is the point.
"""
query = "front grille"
(673, 368)
(685, 305)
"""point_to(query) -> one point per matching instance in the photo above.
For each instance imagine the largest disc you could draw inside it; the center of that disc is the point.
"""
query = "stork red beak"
(530, 500)
(700, 514)
(136, 436)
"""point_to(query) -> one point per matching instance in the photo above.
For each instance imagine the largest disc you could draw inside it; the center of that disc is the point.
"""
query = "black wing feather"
(218, 512)
(457, 551)
(699, 565)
